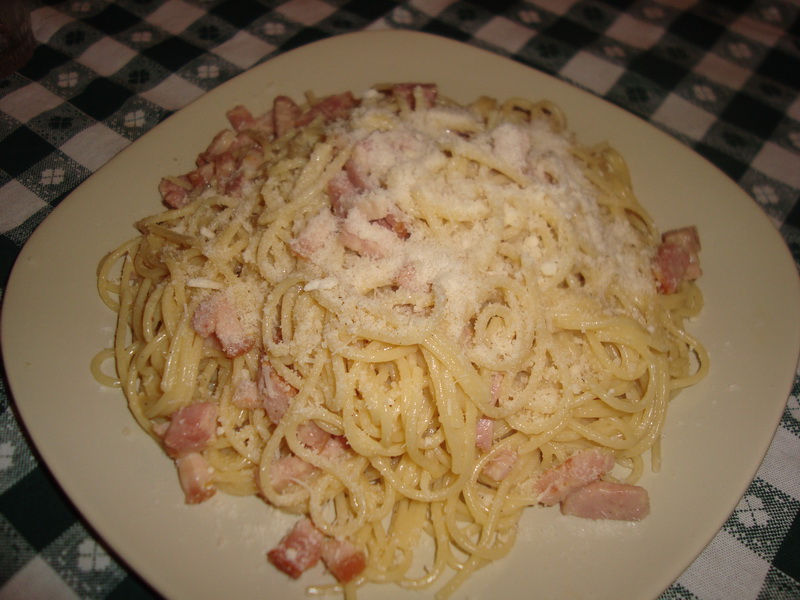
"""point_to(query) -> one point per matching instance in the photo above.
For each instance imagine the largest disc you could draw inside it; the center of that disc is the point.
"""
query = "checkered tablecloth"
(720, 76)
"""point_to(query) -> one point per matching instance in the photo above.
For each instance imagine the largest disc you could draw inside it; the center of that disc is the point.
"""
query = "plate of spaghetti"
(430, 327)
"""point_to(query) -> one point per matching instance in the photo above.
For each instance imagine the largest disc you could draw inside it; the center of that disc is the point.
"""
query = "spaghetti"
(404, 320)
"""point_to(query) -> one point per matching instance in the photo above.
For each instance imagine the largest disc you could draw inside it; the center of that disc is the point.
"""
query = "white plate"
(716, 435)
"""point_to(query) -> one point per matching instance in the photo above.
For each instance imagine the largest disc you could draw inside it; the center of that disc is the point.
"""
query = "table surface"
(720, 76)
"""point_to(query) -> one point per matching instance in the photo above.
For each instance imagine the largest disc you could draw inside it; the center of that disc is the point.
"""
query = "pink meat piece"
(275, 392)
(345, 191)
(353, 240)
(173, 194)
(345, 188)
(252, 160)
(341, 192)
(373, 156)
(677, 259)
(607, 500)
(220, 145)
(343, 559)
(224, 168)
(369, 162)
(357, 168)
(394, 223)
(688, 237)
(234, 185)
(202, 176)
(485, 426)
(344, 196)
(408, 279)
(230, 332)
(312, 238)
(204, 319)
(484, 433)
(335, 446)
(217, 315)
(500, 466)
(285, 113)
(337, 106)
(368, 238)
(312, 435)
(287, 470)
(191, 429)
(229, 159)
(581, 468)
(240, 118)
(196, 477)
(299, 550)
(245, 395)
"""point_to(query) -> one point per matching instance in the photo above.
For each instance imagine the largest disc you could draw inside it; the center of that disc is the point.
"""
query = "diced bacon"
(374, 208)
(343, 559)
(405, 91)
(240, 118)
(677, 259)
(581, 468)
(299, 550)
(234, 185)
(334, 107)
(394, 223)
(406, 278)
(224, 167)
(357, 171)
(687, 237)
(312, 435)
(252, 160)
(265, 125)
(370, 159)
(276, 393)
(173, 194)
(363, 246)
(285, 113)
(335, 446)
(287, 470)
(344, 188)
(191, 429)
(227, 161)
(607, 500)
(221, 144)
(196, 477)
(375, 155)
(500, 465)
(484, 433)
(204, 319)
(369, 162)
(230, 332)
(312, 238)
(245, 395)
(365, 237)
(217, 315)
(201, 176)
(341, 192)
(670, 266)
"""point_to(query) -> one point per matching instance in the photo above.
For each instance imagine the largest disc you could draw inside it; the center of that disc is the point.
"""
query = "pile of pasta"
(404, 320)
